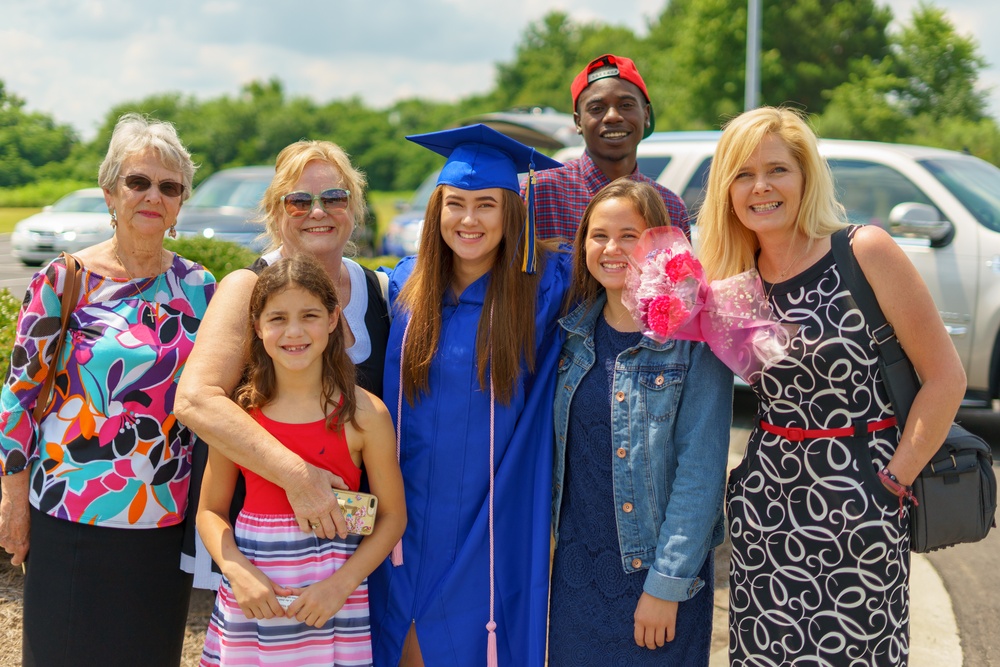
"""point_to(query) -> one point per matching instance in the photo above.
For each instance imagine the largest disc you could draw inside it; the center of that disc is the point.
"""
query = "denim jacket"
(671, 410)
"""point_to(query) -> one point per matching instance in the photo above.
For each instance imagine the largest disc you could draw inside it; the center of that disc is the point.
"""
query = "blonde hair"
(727, 247)
(646, 202)
(288, 168)
(133, 134)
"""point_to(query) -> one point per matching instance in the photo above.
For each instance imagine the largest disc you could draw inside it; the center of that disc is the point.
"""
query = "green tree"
(940, 66)
(697, 48)
(28, 141)
(867, 105)
(550, 53)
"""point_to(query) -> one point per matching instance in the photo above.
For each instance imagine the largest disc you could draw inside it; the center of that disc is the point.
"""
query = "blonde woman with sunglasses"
(312, 206)
(95, 490)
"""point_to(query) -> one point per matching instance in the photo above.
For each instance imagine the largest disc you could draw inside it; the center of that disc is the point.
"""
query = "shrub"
(42, 193)
(9, 306)
(219, 257)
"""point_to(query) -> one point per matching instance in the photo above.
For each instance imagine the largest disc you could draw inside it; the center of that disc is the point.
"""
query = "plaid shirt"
(562, 195)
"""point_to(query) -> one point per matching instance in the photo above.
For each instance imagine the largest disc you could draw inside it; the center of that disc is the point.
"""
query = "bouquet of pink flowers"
(663, 282)
(668, 297)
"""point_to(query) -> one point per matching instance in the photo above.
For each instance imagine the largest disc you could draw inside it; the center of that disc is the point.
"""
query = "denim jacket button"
(621, 452)
(636, 562)
(659, 380)
(627, 507)
(620, 396)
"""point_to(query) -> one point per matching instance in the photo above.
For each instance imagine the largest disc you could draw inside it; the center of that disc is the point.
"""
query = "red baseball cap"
(611, 65)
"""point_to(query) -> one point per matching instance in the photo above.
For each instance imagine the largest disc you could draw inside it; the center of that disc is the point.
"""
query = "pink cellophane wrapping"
(668, 297)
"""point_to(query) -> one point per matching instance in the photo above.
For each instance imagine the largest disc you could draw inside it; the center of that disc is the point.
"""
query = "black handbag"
(956, 491)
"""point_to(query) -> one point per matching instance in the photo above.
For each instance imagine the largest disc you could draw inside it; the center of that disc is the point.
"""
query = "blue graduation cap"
(479, 157)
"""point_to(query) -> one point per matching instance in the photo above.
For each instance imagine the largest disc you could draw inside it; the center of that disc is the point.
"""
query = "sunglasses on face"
(140, 183)
(298, 204)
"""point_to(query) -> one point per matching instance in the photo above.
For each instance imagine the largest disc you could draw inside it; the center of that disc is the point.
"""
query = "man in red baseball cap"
(612, 112)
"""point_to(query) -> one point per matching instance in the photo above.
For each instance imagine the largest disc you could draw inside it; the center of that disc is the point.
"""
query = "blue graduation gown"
(443, 585)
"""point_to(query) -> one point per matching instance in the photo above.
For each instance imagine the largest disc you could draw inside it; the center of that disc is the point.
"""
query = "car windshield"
(238, 192)
(79, 203)
(973, 182)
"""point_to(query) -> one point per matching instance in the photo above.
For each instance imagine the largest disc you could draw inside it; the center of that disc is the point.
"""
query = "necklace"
(781, 274)
(152, 314)
(616, 322)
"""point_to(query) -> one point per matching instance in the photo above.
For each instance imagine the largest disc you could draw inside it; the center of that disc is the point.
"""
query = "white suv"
(942, 207)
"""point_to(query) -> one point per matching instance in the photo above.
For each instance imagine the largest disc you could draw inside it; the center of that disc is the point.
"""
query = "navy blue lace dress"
(592, 606)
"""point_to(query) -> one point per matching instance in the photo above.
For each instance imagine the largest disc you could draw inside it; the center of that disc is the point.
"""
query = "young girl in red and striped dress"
(289, 597)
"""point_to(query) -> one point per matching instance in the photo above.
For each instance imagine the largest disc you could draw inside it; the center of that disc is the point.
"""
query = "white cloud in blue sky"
(75, 59)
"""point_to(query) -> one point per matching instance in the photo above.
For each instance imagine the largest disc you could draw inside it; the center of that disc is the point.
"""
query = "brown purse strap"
(71, 289)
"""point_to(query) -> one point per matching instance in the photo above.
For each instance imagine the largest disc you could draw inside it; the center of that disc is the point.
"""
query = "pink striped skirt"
(274, 543)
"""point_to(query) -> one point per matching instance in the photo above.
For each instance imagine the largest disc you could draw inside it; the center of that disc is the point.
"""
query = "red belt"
(795, 434)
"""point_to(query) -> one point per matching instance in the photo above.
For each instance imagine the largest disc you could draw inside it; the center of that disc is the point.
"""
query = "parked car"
(402, 236)
(942, 207)
(226, 207)
(78, 220)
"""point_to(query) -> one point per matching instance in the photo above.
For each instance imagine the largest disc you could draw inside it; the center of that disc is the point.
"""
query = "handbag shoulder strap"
(898, 373)
(67, 302)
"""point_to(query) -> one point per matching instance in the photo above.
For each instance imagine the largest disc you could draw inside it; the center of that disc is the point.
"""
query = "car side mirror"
(915, 220)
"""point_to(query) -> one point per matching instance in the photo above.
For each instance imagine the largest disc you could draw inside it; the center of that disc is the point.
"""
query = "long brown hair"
(260, 386)
(510, 297)
(646, 202)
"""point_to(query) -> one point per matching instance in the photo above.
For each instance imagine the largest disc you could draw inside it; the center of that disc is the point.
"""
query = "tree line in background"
(833, 58)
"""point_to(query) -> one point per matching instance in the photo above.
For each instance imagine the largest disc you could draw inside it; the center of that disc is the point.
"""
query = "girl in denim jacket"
(642, 438)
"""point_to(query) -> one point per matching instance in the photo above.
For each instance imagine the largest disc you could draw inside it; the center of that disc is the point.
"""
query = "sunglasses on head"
(140, 183)
(298, 204)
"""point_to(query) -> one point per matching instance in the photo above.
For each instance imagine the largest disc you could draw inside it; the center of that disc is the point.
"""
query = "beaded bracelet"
(902, 491)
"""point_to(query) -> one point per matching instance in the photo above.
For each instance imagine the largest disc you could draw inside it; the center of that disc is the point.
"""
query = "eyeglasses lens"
(140, 183)
(301, 203)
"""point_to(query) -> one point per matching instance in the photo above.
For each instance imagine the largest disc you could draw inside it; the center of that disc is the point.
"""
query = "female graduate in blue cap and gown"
(469, 378)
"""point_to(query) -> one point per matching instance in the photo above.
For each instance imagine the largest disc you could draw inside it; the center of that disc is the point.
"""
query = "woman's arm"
(909, 308)
(322, 600)
(32, 359)
(203, 404)
(254, 591)
(15, 517)
(701, 446)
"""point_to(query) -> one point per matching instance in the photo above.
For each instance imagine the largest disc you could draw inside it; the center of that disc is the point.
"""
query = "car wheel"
(32, 262)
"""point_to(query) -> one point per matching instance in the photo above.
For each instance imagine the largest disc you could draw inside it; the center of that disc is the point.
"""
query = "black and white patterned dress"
(820, 565)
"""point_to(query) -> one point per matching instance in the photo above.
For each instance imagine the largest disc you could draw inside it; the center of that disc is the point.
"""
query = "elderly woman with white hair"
(95, 489)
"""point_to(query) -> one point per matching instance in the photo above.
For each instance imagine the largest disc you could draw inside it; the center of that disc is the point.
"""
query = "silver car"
(78, 220)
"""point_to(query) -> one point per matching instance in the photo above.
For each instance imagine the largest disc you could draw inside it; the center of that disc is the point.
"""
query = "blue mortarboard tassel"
(528, 266)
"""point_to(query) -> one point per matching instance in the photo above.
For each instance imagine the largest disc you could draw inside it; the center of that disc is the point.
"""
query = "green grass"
(385, 205)
(10, 216)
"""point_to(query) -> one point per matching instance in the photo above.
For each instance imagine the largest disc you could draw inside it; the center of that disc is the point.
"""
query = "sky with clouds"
(75, 59)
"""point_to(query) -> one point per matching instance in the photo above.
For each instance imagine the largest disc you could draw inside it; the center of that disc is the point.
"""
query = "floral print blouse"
(109, 450)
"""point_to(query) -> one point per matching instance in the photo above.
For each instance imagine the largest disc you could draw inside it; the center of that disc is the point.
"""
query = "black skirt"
(103, 596)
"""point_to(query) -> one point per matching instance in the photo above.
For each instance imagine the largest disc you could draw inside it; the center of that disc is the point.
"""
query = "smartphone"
(359, 510)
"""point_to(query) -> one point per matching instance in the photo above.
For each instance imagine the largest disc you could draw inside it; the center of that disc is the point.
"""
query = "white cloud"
(75, 59)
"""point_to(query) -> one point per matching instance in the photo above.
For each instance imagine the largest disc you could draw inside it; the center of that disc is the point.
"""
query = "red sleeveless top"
(316, 444)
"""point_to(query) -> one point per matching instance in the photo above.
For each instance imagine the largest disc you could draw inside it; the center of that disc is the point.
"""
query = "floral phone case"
(359, 510)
